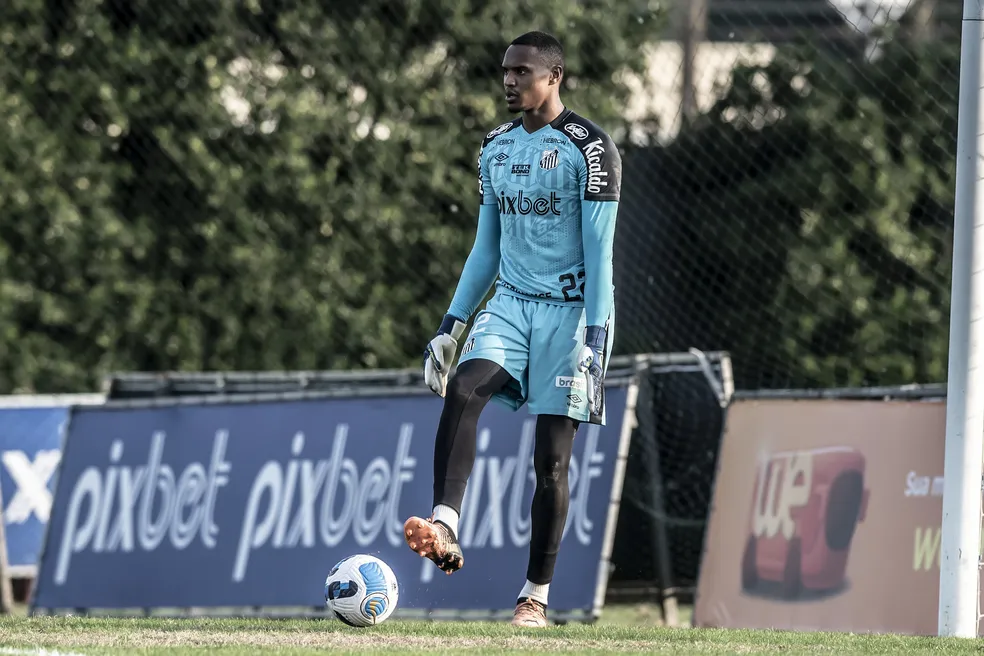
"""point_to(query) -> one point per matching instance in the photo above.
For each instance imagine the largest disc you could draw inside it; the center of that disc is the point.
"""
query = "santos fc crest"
(549, 159)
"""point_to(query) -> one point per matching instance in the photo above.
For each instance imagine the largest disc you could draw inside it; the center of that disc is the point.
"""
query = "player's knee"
(463, 389)
(460, 389)
(472, 386)
(551, 470)
(552, 453)
(552, 464)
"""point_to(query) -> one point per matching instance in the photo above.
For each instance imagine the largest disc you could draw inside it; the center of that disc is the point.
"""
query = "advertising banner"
(225, 503)
(30, 448)
(826, 516)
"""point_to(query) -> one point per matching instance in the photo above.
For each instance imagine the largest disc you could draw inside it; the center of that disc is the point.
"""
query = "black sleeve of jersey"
(489, 138)
(602, 161)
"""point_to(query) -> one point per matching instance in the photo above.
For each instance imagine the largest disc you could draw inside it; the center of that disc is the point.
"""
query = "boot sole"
(422, 538)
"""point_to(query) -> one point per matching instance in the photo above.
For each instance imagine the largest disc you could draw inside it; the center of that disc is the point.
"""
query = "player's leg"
(493, 364)
(551, 500)
(557, 395)
(469, 390)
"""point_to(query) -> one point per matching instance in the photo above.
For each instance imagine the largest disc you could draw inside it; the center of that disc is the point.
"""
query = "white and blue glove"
(440, 353)
(591, 362)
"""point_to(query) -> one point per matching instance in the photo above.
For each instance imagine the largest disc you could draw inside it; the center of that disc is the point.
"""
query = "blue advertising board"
(30, 449)
(219, 504)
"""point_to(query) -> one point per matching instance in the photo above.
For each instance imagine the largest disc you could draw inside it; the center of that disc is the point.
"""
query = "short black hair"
(547, 45)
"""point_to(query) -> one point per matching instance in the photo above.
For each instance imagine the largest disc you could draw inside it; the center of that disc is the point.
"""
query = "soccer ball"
(361, 590)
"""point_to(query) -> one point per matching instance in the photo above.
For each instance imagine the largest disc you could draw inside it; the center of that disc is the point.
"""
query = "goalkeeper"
(549, 188)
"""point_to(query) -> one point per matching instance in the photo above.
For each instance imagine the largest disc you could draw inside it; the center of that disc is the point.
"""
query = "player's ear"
(556, 74)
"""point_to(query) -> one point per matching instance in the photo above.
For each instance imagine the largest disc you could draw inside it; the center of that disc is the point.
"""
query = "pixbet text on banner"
(246, 503)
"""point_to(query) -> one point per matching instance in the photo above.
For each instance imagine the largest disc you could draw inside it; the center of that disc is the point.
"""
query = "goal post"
(962, 467)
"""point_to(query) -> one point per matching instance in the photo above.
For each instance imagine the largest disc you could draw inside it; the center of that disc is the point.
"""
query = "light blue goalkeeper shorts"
(538, 344)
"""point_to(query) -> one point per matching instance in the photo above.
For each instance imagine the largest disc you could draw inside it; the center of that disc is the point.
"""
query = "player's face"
(527, 80)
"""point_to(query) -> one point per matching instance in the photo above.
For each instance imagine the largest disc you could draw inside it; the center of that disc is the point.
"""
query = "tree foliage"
(290, 184)
(268, 184)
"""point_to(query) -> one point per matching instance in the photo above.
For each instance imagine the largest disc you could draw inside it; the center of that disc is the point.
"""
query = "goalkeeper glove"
(591, 362)
(440, 352)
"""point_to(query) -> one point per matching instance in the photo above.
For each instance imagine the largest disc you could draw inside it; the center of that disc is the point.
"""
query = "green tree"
(271, 184)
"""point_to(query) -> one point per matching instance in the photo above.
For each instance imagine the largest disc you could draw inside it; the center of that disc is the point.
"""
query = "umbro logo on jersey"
(577, 131)
(549, 159)
(501, 157)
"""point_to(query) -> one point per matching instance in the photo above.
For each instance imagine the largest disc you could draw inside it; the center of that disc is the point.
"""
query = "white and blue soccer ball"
(361, 590)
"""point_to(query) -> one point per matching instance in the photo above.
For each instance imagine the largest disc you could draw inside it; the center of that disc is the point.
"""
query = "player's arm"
(481, 266)
(480, 270)
(600, 180)
(598, 234)
(600, 190)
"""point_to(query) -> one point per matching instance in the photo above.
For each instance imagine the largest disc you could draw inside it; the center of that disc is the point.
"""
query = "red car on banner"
(806, 506)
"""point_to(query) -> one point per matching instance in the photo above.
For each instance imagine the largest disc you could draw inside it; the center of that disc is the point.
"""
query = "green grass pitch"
(622, 630)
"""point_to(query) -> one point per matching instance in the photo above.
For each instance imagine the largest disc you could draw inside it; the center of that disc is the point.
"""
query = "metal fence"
(796, 206)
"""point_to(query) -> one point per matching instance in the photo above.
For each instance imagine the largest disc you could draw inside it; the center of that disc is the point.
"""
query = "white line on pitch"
(37, 651)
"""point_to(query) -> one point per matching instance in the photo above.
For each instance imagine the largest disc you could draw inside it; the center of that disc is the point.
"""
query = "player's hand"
(440, 352)
(591, 362)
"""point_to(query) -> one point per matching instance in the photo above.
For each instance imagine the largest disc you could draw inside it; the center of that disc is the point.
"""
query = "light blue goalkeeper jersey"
(546, 224)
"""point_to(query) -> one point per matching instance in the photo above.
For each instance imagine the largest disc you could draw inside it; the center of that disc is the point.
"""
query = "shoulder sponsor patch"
(499, 130)
(594, 153)
(576, 130)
